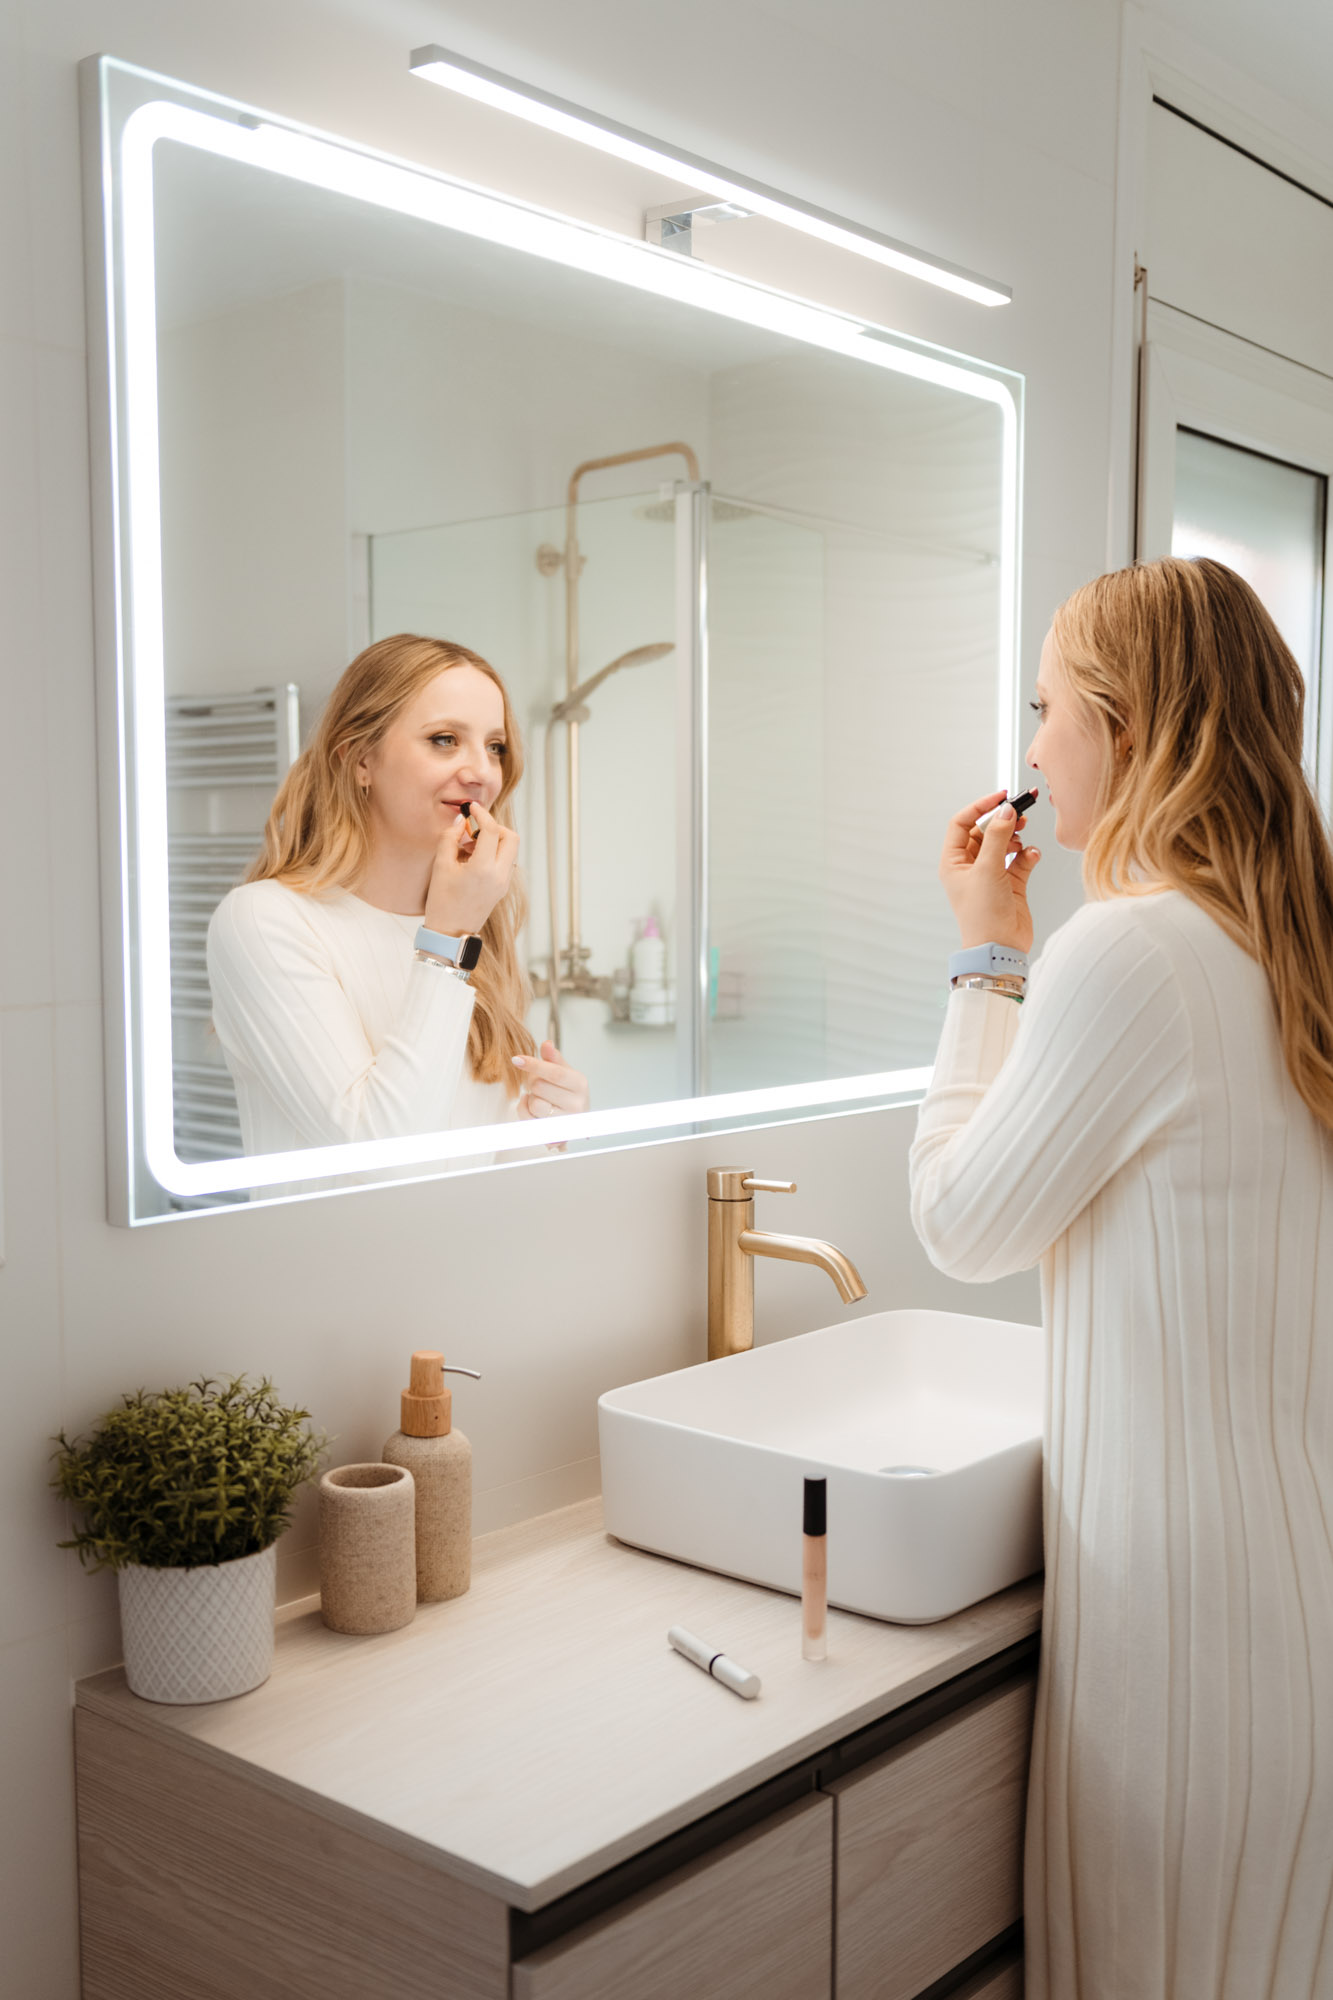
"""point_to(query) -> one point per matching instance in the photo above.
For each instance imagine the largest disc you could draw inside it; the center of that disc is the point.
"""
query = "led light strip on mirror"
(318, 161)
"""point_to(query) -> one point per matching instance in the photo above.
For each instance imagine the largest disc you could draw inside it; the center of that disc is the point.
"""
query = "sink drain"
(911, 1471)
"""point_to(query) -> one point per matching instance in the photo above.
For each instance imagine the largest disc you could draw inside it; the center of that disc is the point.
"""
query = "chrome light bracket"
(673, 224)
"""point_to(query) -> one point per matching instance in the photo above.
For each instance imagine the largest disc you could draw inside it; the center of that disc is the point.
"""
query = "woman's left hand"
(552, 1087)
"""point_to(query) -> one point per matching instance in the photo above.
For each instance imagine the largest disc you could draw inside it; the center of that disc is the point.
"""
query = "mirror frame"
(126, 112)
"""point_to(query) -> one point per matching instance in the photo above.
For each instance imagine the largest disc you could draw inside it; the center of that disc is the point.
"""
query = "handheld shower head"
(641, 655)
(638, 656)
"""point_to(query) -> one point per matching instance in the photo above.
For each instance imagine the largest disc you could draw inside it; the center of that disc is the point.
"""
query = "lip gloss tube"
(814, 1572)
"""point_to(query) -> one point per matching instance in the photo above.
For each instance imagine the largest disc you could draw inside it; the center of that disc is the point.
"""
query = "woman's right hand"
(985, 875)
(469, 878)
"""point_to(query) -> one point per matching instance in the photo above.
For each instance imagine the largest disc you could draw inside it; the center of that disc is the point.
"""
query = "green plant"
(183, 1477)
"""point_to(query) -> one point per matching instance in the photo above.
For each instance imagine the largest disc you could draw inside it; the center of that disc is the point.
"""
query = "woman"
(338, 992)
(1155, 1125)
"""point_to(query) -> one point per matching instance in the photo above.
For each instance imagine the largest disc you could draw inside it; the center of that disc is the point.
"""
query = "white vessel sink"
(927, 1426)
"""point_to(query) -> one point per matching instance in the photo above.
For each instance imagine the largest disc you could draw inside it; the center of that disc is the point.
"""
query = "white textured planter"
(198, 1634)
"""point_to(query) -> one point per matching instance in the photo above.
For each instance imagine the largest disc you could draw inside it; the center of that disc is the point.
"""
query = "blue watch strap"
(438, 945)
(1000, 960)
(461, 953)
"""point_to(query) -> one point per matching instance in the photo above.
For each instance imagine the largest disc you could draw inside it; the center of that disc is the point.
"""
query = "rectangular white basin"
(926, 1425)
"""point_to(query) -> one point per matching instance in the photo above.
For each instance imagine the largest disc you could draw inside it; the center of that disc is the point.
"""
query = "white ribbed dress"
(332, 1028)
(1133, 1127)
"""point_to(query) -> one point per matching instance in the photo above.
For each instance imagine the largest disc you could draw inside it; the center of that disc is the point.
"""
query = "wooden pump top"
(427, 1403)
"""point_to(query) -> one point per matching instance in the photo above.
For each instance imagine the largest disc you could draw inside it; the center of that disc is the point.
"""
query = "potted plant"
(184, 1493)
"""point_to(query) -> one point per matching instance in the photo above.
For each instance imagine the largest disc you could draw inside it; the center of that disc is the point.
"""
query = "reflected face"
(441, 753)
(1068, 751)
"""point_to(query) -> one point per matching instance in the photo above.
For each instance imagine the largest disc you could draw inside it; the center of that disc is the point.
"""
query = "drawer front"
(930, 1848)
(755, 1917)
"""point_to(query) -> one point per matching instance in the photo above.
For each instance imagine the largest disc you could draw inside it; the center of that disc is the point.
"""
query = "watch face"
(469, 953)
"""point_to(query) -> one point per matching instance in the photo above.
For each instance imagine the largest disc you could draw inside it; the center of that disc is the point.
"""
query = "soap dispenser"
(439, 1459)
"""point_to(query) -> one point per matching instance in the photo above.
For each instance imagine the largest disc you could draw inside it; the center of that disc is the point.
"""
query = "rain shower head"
(638, 656)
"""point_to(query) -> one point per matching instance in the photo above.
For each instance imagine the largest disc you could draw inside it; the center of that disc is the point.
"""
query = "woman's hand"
(989, 898)
(470, 877)
(552, 1087)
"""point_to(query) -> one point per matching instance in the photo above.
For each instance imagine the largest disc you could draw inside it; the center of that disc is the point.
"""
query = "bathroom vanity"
(526, 1793)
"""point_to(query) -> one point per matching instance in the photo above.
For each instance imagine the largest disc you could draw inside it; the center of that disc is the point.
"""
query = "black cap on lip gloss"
(816, 1507)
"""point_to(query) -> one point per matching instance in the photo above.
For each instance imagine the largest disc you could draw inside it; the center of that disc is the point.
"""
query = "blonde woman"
(1154, 1125)
(365, 977)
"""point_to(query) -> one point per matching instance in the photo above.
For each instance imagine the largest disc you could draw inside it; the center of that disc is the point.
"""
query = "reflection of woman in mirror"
(365, 977)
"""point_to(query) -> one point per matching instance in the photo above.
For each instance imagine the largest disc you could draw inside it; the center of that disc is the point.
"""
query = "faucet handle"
(739, 1184)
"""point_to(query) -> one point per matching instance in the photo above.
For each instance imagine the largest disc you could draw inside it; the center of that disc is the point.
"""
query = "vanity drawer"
(930, 1848)
(754, 1916)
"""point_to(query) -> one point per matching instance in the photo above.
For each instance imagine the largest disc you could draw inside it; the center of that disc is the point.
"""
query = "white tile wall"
(60, 670)
(986, 133)
(25, 889)
(38, 1888)
(31, 1519)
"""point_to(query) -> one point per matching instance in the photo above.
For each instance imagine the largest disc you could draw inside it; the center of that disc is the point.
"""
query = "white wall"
(458, 415)
(254, 524)
(987, 134)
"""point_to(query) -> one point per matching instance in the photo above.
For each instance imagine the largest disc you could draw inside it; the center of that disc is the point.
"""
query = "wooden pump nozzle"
(427, 1404)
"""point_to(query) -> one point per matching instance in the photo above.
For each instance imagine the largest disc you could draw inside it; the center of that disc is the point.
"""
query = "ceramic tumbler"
(367, 1548)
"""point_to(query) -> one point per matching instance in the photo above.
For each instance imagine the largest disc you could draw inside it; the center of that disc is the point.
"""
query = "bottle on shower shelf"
(650, 997)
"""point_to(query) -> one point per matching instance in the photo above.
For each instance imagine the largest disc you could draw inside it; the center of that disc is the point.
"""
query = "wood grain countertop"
(539, 1730)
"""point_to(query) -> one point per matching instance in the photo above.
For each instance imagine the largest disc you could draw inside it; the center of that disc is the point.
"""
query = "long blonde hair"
(1202, 709)
(318, 831)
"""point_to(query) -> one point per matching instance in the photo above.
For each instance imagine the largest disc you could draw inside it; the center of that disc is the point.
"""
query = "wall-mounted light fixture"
(489, 86)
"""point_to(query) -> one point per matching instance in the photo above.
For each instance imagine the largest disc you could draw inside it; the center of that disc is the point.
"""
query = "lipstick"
(737, 1678)
(1020, 806)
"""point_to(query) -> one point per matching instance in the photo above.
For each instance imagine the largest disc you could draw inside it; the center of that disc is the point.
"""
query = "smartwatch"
(460, 954)
(996, 961)
(989, 963)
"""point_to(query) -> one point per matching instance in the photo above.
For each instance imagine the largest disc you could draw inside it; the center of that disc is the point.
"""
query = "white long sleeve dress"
(332, 1028)
(1133, 1127)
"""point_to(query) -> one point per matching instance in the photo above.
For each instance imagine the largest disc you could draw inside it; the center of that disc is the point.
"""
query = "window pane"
(1262, 518)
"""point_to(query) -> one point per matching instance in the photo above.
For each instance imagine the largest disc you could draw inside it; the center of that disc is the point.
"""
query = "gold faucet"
(733, 1241)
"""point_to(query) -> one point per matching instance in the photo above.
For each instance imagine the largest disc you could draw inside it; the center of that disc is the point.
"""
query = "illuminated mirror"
(745, 567)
